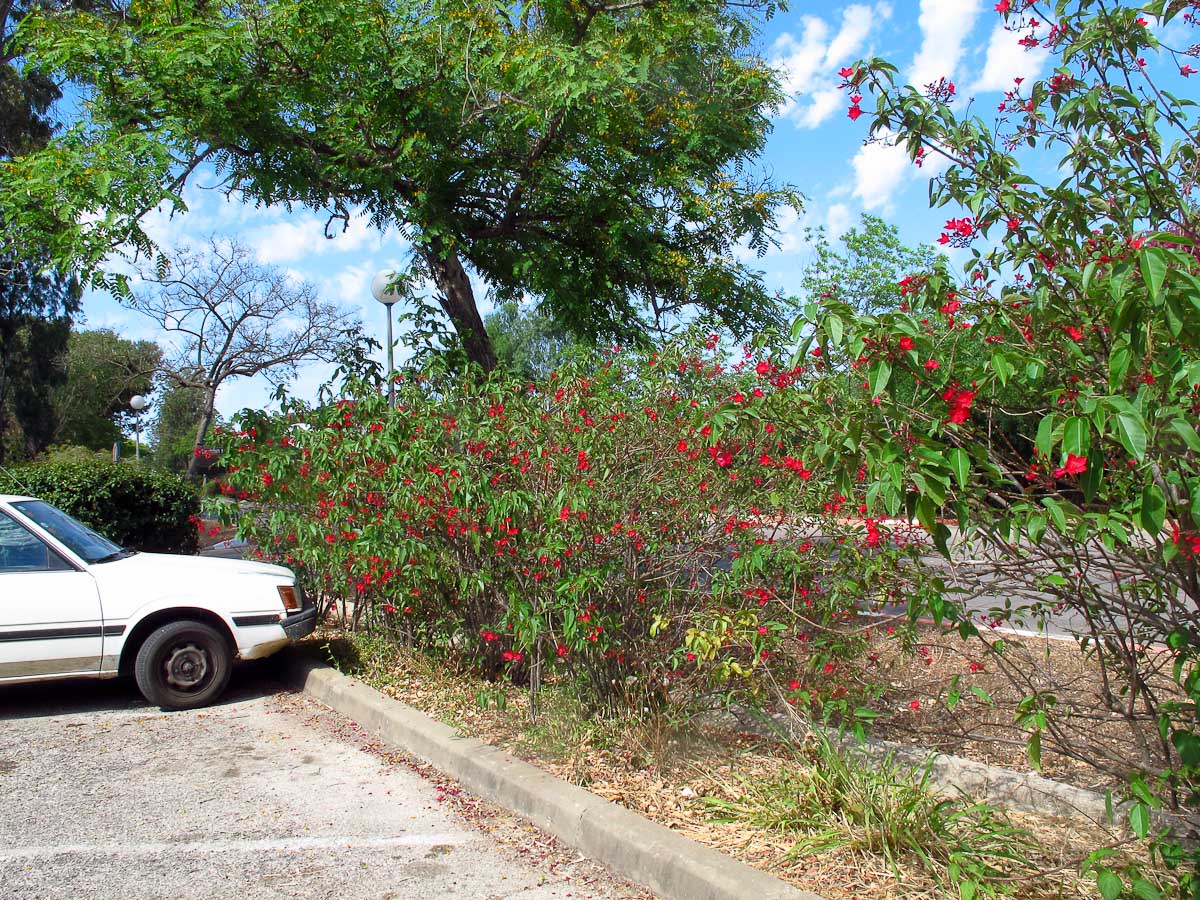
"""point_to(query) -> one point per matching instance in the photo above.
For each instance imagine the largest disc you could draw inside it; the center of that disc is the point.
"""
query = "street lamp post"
(385, 294)
(137, 402)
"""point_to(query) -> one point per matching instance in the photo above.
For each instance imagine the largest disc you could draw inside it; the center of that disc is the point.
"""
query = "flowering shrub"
(649, 525)
(1087, 302)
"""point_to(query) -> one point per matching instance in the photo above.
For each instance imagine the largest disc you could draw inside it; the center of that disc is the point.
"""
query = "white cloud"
(945, 25)
(879, 170)
(1006, 60)
(283, 242)
(302, 235)
(838, 219)
(352, 287)
(808, 64)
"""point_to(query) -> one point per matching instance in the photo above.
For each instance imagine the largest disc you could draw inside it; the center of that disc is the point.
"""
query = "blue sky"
(814, 146)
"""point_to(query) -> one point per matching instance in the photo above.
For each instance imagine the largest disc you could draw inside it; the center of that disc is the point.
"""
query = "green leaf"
(1002, 367)
(1033, 747)
(983, 695)
(1131, 428)
(1139, 819)
(1035, 528)
(1045, 435)
(1077, 436)
(1152, 511)
(1188, 745)
(953, 694)
(1056, 513)
(833, 327)
(960, 464)
(1110, 884)
(879, 377)
(1118, 366)
(1187, 433)
(1154, 270)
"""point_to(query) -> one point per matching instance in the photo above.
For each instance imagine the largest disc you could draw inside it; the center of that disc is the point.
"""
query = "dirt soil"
(1087, 745)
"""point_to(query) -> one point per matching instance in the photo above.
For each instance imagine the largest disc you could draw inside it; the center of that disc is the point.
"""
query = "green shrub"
(635, 523)
(136, 506)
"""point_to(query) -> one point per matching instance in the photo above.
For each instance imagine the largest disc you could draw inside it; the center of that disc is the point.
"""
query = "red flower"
(1073, 333)
(931, 365)
(793, 685)
(916, 704)
(906, 344)
(846, 72)
(1076, 465)
(763, 368)
(854, 112)
(1185, 71)
(960, 404)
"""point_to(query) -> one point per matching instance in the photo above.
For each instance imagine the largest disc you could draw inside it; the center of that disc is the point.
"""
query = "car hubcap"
(187, 667)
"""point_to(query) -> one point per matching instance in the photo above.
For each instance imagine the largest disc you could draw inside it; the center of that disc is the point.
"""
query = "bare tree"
(235, 318)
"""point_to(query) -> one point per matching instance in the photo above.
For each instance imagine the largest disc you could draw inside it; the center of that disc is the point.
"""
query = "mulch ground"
(673, 773)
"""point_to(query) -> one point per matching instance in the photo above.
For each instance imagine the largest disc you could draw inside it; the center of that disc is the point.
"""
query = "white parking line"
(284, 845)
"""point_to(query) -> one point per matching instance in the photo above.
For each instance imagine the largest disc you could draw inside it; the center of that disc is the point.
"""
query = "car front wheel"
(183, 665)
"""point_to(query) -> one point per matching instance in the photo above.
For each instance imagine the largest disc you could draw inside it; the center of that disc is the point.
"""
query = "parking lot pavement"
(266, 795)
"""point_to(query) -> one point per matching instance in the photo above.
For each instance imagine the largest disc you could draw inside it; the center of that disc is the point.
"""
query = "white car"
(74, 603)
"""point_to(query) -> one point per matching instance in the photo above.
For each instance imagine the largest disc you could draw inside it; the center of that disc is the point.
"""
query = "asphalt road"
(266, 795)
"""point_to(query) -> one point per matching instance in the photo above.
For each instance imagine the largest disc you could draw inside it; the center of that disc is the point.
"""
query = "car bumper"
(301, 624)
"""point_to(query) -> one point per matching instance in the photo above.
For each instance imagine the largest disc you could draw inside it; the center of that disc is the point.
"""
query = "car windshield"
(86, 544)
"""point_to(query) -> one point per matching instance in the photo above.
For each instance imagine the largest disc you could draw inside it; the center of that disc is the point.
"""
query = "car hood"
(143, 564)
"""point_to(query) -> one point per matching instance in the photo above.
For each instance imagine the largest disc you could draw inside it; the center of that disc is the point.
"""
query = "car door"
(50, 617)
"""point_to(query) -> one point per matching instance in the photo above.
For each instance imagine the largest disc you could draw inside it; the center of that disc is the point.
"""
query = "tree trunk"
(210, 406)
(458, 300)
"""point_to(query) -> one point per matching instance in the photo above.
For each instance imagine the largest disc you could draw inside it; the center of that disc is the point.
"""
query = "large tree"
(103, 373)
(867, 272)
(527, 341)
(36, 302)
(178, 413)
(230, 317)
(594, 154)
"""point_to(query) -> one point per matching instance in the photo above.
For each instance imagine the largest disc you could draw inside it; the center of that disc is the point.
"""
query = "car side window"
(23, 551)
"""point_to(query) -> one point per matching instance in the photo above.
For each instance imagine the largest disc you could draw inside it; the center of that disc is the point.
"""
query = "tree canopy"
(36, 303)
(867, 273)
(594, 155)
(103, 373)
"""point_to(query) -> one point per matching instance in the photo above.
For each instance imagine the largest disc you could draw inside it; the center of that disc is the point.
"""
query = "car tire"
(183, 665)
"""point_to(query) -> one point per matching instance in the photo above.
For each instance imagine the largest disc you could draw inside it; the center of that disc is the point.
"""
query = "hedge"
(138, 507)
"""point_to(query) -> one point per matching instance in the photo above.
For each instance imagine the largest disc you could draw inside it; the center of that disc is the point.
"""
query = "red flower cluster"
(1076, 465)
(960, 404)
(958, 232)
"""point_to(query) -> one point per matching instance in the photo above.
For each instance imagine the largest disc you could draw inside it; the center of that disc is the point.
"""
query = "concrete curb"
(671, 865)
